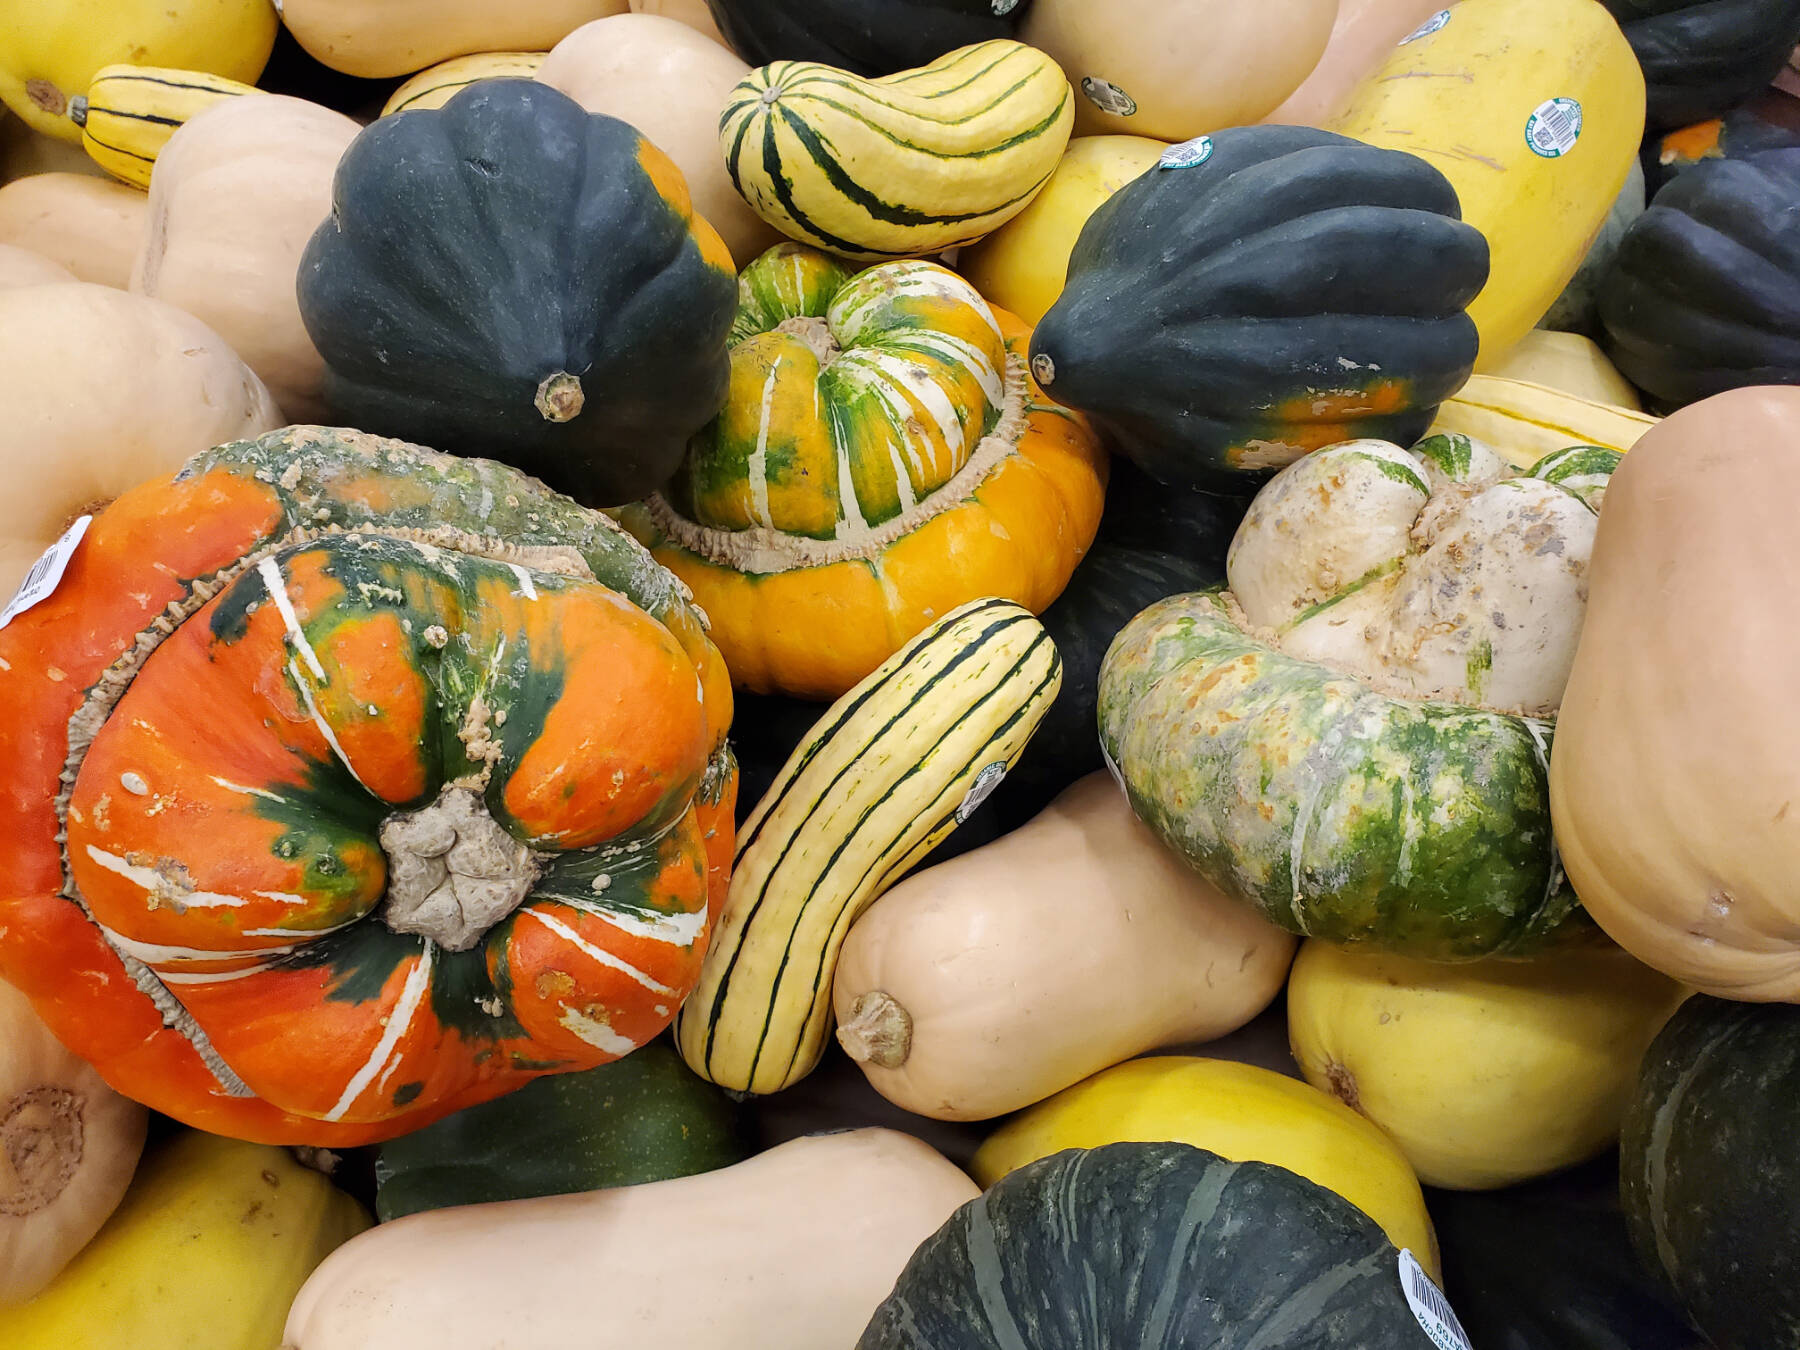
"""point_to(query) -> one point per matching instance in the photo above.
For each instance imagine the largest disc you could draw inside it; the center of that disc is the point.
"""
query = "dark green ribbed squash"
(1151, 1245)
(646, 1117)
(1151, 517)
(1289, 290)
(1768, 123)
(1709, 1164)
(1702, 56)
(866, 37)
(1549, 1266)
(1704, 294)
(513, 277)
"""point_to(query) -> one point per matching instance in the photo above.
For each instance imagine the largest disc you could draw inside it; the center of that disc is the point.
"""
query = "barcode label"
(41, 581)
(1554, 128)
(1429, 1307)
(981, 789)
(1426, 29)
(1187, 155)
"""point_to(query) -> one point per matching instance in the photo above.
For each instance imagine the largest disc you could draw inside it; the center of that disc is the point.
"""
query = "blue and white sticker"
(1187, 155)
(1429, 1307)
(1426, 29)
(1107, 96)
(1553, 129)
(46, 573)
(1004, 7)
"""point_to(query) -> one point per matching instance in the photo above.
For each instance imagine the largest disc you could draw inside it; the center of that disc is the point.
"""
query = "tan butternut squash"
(22, 267)
(1672, 786)
(103, 389)
(996, 979)
(378, 39)
(670, 83)
(236, 195)
(791, 1250)
(693, 13)
(68, 1147)
(1365, 35)
(90, 225)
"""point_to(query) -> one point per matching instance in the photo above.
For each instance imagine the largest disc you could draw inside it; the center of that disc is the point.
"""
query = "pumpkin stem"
(41, 1136)
(453, 873)
(815, 333)
(879, 1031)
(559, 397)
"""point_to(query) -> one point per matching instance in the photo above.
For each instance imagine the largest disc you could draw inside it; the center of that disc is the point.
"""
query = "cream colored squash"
(236, 195)
(92, 226)
(693, 13)
(1365, 35)
(1672, 785)
(1572, 364)
(22, 267)
(103, 389)
(68, 1147)
(1022, 266)
(1172, 69)
(996, 979)
(670, 83)
(791, 1250)
(378, 39)
(1485, 1074)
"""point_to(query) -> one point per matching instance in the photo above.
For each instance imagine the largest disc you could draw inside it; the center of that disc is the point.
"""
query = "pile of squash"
(913, 674)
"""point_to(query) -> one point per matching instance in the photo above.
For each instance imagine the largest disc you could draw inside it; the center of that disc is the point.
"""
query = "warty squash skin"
(103, 389)
(378, 39)
(1173, 69)
(92, 226)
(70, 1145)
(790, 1250)
(1487, 1074)
(312, 922)
(1079, 941)
(1363, 36)
(234, 199)
(669, 82)
(1671, 784)
(22, 267)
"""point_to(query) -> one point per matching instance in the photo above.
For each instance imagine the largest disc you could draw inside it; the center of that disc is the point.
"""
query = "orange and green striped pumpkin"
(347, 784)
(882, 458)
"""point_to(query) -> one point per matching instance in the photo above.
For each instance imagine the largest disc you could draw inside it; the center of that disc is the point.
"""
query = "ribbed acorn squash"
(1355, 737)
(514, 277)
(1704, 294)
(865, 37)
(1233, 309)
(1702, 56)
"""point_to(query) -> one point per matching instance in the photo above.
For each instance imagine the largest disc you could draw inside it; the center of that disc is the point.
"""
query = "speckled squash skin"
(1322, 750)
(1151, 1244)
(249, 673)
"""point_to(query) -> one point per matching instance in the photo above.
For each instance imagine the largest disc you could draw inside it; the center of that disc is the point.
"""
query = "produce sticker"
(1429, 1306)
(1107, 96)
(1186, 155)
(41, 581)
(1426, 29)
(1553, 129)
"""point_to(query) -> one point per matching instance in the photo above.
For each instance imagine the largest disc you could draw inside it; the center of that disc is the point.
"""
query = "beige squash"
(791, 1250)
(693, 13)
(1365, 35)
(68, 1147)
(92, 226)
(670, 83)
(1172, 69)
(996, 979)
(22, 267)
(1673, 787)
(1572, 364)
(378, 39)
(236, 195)
(103, 389)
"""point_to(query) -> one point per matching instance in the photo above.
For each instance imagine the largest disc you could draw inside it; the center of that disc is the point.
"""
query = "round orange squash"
(882, 458)
(347, 784)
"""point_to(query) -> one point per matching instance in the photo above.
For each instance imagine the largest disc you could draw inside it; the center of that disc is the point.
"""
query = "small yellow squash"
(129, 113)
(212, 1242)
(991, 981)
(436, 86)
(68, 1147)
(89, 224)
(1526, 421)
(1241, 1113)
(378, 39)
(50, 49)
(1486, 1074)
(1570, 364)
(22, 267)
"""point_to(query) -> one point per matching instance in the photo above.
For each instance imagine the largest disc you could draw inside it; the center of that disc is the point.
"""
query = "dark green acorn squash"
(1709, 1162)
(1155, 1245)
(867, 37)
(1771, 122)
(1549, 1266)
(1700, 57)
(646, 1117)
(1704, 294)
(513, 277)
(1146, 516)
(1280, 290)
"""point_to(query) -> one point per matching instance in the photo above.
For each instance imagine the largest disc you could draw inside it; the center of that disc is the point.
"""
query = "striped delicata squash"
(911, 164)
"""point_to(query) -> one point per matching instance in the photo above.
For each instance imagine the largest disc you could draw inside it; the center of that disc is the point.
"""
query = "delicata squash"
(348, 783)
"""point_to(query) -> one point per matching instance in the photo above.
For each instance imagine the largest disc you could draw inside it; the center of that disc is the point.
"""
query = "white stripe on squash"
(412, 993)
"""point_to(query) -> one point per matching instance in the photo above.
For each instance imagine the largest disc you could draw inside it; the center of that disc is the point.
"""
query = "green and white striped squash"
(906, 165)
(1355, 736)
